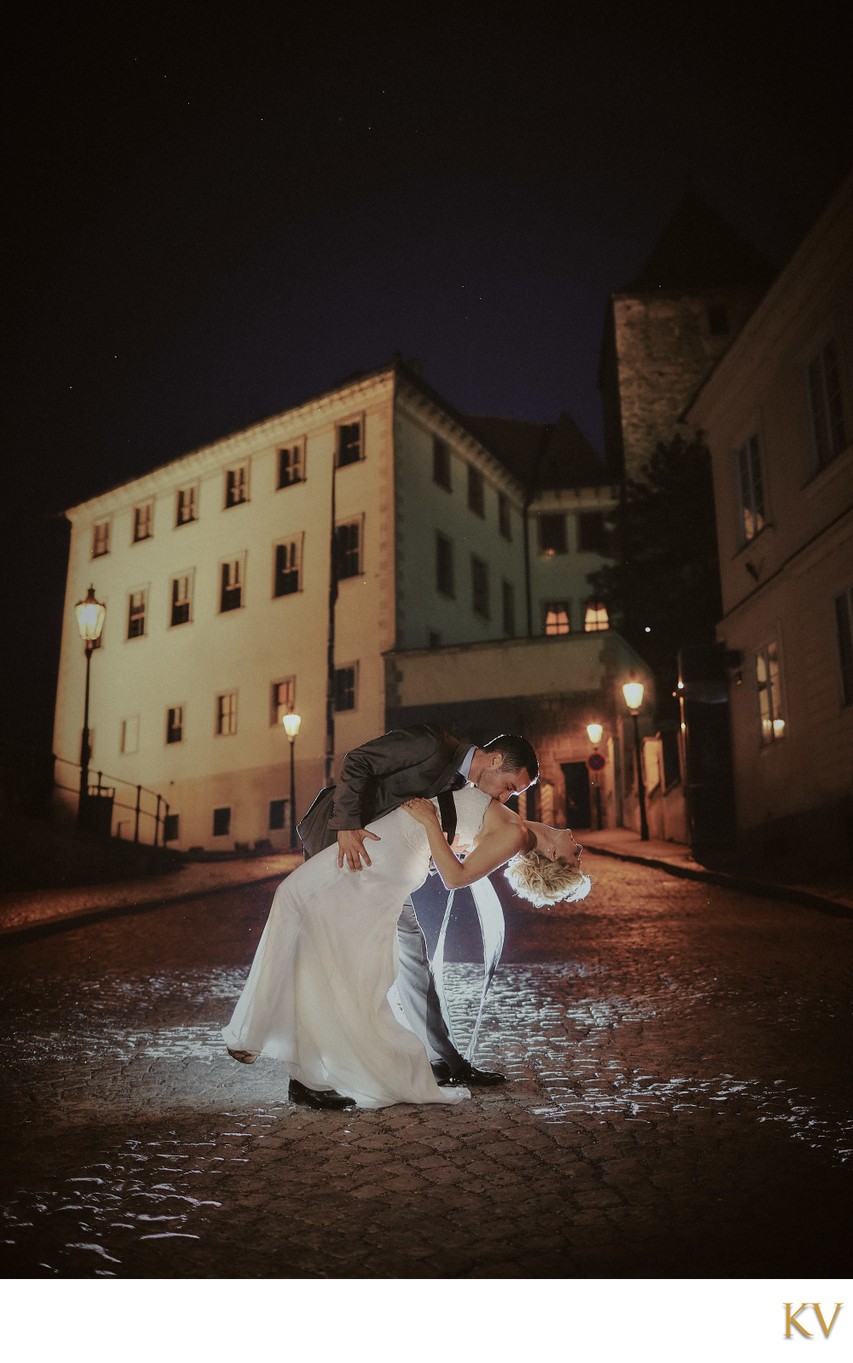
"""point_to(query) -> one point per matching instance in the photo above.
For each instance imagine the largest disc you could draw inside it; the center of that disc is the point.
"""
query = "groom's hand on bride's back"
(351, 848)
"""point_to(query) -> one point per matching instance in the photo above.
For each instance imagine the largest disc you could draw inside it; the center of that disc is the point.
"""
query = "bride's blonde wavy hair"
(536, 878)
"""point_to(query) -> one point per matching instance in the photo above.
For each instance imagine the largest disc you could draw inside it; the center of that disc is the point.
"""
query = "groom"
(378, 777)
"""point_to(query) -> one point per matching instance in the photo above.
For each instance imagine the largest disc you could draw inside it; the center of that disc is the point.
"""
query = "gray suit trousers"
(418, 994)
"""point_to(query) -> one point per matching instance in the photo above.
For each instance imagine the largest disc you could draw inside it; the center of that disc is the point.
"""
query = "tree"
(662, 590)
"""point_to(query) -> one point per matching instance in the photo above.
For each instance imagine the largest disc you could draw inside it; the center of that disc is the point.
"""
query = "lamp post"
(90, 621)
(633, 693)
(291, 724)
(594, 732)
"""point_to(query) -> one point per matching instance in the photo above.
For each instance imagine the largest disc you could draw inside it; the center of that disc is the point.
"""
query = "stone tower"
(665, 330)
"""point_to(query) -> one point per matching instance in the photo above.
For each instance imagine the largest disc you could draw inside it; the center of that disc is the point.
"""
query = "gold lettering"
(823, 1325)
(791, 1319)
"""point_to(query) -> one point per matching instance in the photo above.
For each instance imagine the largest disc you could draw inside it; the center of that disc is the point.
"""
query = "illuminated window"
(508, 609)
(767, 676)
(595, 617)
(476, 491)
(143, 521)
(349, 539)
(844, 624)
(186, 505)
(101, 539)
(444, 576)
(504, 522)
(349, 446)
(237, 485)
(226, 713)
(441, 463)
(592, 532)
(136, 612)
(175, 724)
(556, 615)
(552, 533)
(346, 683)
(221, 822)
(825, 402)
(752, 514)
(130, 734)
(479, 587)
(291, 465)
(287, 569)
(232, 578)
(283, 698)
(181, 603)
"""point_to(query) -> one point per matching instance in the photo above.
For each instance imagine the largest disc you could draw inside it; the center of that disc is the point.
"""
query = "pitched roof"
(541, 456)
(699, 250)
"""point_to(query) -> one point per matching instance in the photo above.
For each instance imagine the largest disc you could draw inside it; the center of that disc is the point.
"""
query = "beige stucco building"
(778, 413)
(215, 573)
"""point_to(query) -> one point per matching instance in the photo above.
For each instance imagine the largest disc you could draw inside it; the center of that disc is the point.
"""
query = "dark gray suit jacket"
(378, 777)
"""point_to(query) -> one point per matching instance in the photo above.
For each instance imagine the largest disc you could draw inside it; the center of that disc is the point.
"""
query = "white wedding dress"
(317, 996)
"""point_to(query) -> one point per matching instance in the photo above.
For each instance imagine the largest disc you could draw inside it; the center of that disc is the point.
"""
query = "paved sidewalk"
(33, 912)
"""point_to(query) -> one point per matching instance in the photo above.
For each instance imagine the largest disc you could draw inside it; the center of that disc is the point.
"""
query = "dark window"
(221, 822)
(476, 491)
(345, 685)
(231, 585)
(283, 698)
(287, 576)
(101, 539)
(444, 566)
(844, 623)
(508, 609)
(143, 519)
(479, 586)
(226, 713)
(186, 507)
(349, 549)
(349, 444)
(136, 615)
(180, 600)
(237, 485)
(592, 532)
(825, 399)
(552, 533)
(291, 465)
(278, 810)
(175, 724)
(171, 827)
(433, 639)
(718, 319)
(504, 523)
(752, 513)
(556, 617)
(441, 463)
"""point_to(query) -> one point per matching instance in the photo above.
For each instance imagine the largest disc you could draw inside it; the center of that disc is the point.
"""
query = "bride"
(317, 994)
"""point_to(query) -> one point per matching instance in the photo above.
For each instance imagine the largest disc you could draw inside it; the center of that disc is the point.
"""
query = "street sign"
(595, 761)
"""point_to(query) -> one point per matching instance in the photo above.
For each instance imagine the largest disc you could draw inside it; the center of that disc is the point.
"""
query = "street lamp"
(633, 693)
(595, 763)
(291, 724)
(90, 621)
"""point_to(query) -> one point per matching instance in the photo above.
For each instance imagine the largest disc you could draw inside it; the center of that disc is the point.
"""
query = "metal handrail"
(159, 815)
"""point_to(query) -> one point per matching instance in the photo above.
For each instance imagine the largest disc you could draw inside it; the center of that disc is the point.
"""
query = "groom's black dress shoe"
(318, 1098)
(468, 1075)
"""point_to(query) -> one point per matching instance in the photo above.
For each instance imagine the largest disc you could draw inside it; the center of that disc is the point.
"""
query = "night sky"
(214, 212)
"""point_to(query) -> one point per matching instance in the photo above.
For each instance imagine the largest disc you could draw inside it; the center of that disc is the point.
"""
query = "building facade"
(778, 413)
(216, 571)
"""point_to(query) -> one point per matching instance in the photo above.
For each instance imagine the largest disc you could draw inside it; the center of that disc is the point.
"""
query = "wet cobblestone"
(679, 1104)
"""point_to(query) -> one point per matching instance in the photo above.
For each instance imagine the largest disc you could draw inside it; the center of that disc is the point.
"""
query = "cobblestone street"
(678, 1105)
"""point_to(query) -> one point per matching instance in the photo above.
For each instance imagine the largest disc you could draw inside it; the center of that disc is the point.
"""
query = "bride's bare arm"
(503, 835)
